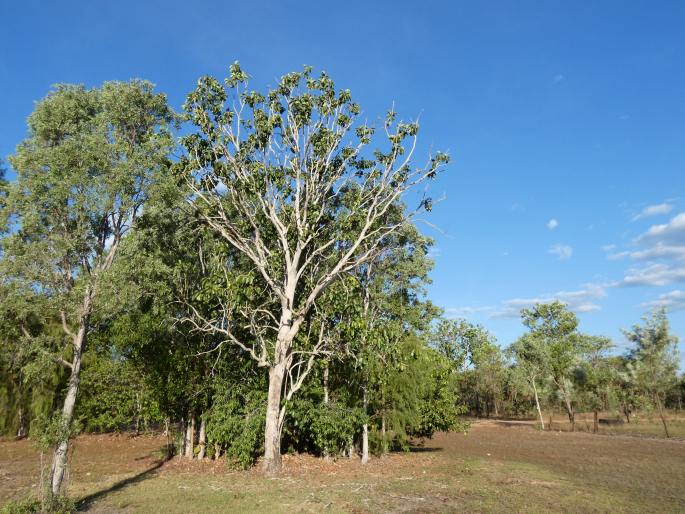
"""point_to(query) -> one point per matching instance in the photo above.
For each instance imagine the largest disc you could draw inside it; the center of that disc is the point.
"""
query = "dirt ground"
(496, 467)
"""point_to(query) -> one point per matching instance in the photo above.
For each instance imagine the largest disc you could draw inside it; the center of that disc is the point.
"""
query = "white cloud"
(562, 252)
(673, 301)
(671, 232)
(582, 300)
(654, 210)
(552, 224)
(655, 274)
(608, 248)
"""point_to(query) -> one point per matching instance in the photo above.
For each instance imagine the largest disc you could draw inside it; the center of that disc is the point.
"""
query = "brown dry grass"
(496, 467)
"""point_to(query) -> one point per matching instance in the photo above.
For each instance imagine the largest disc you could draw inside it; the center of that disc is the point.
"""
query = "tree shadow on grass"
(85, 503)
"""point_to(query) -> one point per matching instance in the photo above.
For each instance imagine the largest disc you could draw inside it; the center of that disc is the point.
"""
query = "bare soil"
(495, 467)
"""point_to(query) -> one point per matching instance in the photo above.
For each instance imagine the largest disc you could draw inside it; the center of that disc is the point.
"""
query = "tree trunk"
(23, 430)
(350, 451)
(537, 405)
(595, 427)
(661, 414)
(190, 436)
(217, 451)
(59, 460)
(365, 433)
(626, 412)
(272, 429)
(202, 440)
(384, 442)
(325, 401)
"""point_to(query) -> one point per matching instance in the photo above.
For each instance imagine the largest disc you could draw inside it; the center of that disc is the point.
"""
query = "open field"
(496, 467)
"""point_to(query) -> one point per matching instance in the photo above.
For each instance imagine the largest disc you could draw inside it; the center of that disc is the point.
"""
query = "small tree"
(83, 175)
(553, 332)
(596, 375)
(284, 178)
(654, 359)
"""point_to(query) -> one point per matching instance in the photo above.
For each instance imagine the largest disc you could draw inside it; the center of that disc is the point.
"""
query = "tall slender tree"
(89, 164)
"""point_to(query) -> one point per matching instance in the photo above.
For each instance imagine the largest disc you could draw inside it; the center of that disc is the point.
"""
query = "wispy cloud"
(654, 210)
(582, 300)
(562, 252)
(673, 301)
(552, 224)
(671, 232)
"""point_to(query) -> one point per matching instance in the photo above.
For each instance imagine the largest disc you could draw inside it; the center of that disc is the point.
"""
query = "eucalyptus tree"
(84, 173)
(287, 178)
(553, 333)
(531, 364)
(596, 375)
(654, 359)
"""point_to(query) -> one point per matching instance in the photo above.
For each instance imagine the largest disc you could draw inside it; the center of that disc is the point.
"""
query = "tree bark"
(365, 433)
(325, 401)
(661, 414)
(537, 405)
(22, 431)
(202, 440)
(384, 442)
(59, 460)
(595, 427)
(190, 436)
(272, 429)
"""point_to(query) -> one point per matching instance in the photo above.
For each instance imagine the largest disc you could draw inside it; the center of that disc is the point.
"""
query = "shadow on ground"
(85, 503)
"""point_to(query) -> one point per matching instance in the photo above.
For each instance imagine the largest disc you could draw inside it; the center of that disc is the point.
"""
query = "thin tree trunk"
(217, 451)
(537, 405)
(326, 454)
(350, 451)
(22, 431)
(190, 436)
(272, 430)
(595, 427)
(59, 460)
(661, 414)
(384, 442)
(202, 440)
(365, 433)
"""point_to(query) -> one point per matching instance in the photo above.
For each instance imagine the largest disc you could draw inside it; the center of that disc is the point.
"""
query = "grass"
(496, 467)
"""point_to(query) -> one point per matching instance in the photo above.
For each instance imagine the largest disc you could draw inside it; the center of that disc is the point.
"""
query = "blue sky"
(565, 122)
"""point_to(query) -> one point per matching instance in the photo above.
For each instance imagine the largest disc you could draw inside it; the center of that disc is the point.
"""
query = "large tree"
(84, 173)
(287, 179)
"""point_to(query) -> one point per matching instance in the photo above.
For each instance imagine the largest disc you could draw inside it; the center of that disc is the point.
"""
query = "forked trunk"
(59, 459)
(272, 429)
(202, 440)
(661, 414)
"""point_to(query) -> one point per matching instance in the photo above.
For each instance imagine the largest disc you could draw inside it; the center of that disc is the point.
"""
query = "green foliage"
(236, 422)
(321, 428)
(50, 505)
(115, 397)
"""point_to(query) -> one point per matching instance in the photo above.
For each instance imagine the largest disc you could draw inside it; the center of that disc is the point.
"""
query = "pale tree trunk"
(190, 436)
(202, 440)
(384, 443)
(569, 411)
(350, 450)
(325, 401)
(60, 456)
(661, 414)
(537, 405)
(217, 451)
(22, 431)
(272, 429)
(365, 432)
